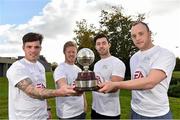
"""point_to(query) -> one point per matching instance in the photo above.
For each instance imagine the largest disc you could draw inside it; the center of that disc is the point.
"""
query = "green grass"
(125, 97)
(3, 98)
(176, 74)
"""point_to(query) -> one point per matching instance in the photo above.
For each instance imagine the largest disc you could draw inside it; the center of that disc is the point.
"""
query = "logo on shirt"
(40, 85)
(104, 67)
(138, 74)
(98, 79)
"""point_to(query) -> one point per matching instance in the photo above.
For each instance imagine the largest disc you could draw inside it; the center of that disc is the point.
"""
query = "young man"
(110, 68)
(72, 107)
(151, 70)
(27, 82)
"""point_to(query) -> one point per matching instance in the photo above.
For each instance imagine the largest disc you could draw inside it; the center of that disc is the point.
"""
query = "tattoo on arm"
(23, 84)
(37, 93)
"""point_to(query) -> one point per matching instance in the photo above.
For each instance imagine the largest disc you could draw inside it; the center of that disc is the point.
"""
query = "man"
(27, 82)
(110, 68)
(151, 70)
(72, 107)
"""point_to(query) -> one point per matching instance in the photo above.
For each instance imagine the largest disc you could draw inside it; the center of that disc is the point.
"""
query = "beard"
(103, 52)
(70, 60)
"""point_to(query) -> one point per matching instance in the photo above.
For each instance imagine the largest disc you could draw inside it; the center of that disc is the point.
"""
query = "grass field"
(176, 74)
(125, 97)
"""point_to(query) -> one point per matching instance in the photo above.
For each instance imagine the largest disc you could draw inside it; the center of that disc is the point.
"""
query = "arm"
(42, 93)
(154, 77)
(116, 79)
(85, 102)
(118, 72)
(61, 83)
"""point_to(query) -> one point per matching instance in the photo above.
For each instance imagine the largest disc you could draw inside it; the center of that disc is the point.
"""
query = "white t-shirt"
(153, 102)
(22, 106)
(67, 107)
(108, 104)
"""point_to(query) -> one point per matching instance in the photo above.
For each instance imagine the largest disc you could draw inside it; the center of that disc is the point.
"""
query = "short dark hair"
(140, 22)
(100, 35)
(30, 37)
(69, 44)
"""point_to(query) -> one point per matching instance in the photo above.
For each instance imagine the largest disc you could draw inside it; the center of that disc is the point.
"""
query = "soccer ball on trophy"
(86, 80)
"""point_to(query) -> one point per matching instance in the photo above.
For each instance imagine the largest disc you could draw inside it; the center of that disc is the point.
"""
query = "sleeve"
(43, 73)
(119, 68)
(16, 73)
(166, 62)
(133, 64)
(59, 73)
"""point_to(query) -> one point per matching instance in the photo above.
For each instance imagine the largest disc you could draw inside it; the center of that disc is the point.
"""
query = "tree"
(177, 67)
(84, 34)
(117, 27)
(84, 38)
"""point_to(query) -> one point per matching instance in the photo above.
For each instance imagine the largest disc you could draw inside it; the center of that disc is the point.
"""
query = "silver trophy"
(86, 80)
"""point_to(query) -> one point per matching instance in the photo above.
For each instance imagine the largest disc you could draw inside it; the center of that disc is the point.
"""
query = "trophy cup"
(86, 80)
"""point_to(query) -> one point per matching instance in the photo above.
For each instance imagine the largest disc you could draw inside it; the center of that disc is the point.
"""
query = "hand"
(66, 90)
(107, 87)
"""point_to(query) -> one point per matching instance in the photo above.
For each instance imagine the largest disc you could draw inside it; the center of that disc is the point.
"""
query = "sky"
(56, 20)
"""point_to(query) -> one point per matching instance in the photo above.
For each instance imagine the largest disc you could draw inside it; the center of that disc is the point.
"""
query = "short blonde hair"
(69, 44)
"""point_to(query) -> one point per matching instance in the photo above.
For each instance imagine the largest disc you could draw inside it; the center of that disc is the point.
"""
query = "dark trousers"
(79, 117)
(95, 115)
(167, 116)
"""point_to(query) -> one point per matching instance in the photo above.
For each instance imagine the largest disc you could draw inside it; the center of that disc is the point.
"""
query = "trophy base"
(88, 85)
(82, 89)
(86, 81)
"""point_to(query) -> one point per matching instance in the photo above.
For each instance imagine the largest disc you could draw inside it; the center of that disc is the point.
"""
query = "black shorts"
(95, 115)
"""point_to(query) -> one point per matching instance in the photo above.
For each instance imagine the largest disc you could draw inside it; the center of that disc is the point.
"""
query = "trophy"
(86, 80)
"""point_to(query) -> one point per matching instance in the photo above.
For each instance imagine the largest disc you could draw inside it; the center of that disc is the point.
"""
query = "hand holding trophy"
(86, 80)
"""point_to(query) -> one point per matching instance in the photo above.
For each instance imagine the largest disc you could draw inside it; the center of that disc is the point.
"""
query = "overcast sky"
(56, 20)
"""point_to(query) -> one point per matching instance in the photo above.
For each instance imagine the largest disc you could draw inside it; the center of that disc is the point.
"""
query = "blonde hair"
(69, 44)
